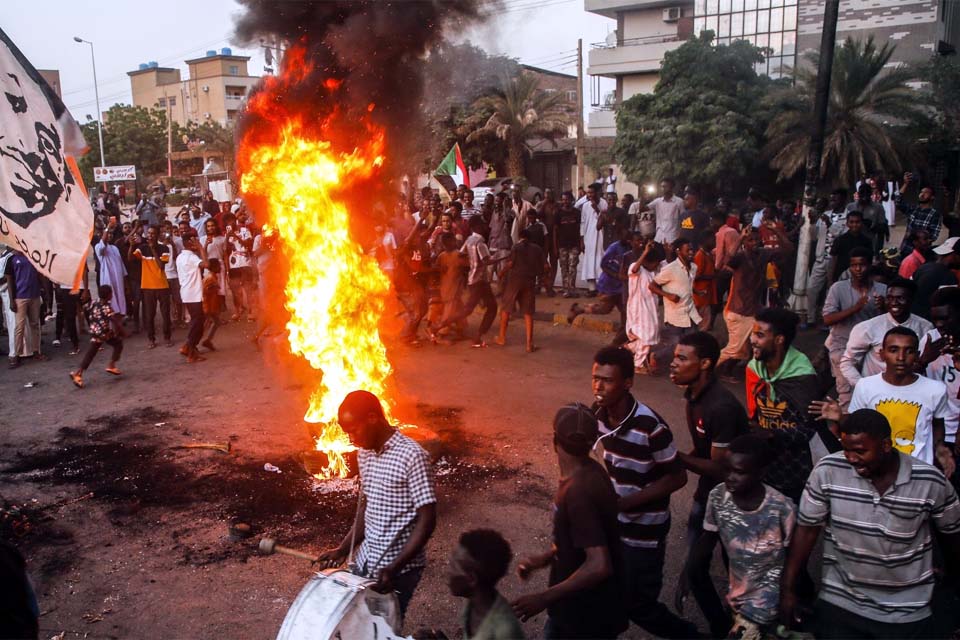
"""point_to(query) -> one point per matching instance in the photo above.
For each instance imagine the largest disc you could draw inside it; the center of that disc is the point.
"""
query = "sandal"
(113, 371)
(77, 379)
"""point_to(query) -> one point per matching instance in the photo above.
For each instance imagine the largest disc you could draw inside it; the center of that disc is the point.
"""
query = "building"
(553, 165)
(52, 76)
(214, 91)
(648, 29)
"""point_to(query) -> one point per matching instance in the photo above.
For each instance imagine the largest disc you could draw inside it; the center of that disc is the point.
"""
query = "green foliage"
(704, 122)
(455, 76)
(869, 110)
(517, 113)
(131, 135)
(941, 125)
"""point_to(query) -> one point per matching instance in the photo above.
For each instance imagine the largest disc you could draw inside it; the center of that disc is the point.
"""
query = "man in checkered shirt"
(399, 508)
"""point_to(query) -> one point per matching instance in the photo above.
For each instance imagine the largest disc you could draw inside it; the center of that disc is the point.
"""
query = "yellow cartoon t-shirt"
(910, 409)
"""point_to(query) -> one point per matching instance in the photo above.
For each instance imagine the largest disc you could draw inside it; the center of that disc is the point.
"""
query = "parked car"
(496, 185)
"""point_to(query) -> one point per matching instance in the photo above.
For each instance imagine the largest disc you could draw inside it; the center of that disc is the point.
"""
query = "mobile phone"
(113, 219)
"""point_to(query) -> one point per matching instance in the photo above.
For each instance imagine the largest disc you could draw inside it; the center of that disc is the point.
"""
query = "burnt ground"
(128, 536)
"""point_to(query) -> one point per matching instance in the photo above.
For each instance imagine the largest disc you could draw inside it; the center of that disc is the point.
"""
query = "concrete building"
(214, 91)
(648, 29)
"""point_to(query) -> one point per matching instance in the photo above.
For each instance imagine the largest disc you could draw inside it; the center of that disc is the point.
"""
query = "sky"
(126, 33)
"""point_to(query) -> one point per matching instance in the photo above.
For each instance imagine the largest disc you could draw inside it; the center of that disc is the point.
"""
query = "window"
(234, 70)
(572, 95)
(172, 101)
(768, 24)
(161, 102)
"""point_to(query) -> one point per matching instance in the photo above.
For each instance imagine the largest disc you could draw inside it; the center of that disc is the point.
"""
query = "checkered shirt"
(396, 482)
(918, 218)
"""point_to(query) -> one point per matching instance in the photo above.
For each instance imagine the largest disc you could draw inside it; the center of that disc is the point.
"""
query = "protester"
(714, 418)
(211, 301)
(68, 303)
(591, 208)
(106, 327)
(754, 523)
(641, 459)
(853, 238)
(112, 270)
(399, 510)
(667, 210)
(548, 208)
(568, 243)
(862, 357)
(726, 243)
(938, 361)
(527, 263)
(922, 216)
(674, 283)
(705, 282)
(878, 507)
(932, 275)
(850, 302)
(829, 224)
(583, 599)
(781, 384)
(23, 290)
(613, 221)
(610, 284)
(241, 271)
(921, 254)
(477, 563)
(694, 222)
(153, 258)
(642, 325)
(174, 244)
(190, 264)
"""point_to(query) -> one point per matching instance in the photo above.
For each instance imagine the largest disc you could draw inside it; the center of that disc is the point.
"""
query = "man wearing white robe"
(112, 270)
(591, 206)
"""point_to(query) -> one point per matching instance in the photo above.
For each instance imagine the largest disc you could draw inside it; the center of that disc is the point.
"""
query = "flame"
(335, 293)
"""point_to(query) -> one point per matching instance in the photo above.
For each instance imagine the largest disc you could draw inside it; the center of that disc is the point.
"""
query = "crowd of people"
(145, 269)
(857, 447)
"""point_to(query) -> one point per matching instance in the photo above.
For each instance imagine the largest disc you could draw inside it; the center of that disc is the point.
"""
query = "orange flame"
(335, 293)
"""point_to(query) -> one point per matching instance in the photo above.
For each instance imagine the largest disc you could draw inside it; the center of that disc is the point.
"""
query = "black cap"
(575, 428)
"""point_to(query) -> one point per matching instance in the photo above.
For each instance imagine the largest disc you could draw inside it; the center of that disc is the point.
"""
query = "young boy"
(705, 284)
(643, 326)
(477, 564)
(754, 523)
(105, 328)
(450, 262)
(527, 263)
(211, 301)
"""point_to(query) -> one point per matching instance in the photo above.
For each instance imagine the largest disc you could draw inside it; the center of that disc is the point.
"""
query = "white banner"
(44, 212)
(114, 174)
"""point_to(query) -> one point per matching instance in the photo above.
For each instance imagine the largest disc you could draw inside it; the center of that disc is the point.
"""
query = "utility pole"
(828, 41)
(579, 112)
(169, 136)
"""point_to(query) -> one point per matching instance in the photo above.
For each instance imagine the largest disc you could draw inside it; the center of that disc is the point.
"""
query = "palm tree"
(868, 108)
(518, 113)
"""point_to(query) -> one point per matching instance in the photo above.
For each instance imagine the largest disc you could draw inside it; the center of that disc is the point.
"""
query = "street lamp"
(96, 93)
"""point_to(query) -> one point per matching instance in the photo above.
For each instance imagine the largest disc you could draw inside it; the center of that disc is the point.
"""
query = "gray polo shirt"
(878, 550)
(840, 296)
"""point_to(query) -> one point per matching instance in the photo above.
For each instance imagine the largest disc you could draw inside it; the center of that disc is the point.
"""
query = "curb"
(585, 322)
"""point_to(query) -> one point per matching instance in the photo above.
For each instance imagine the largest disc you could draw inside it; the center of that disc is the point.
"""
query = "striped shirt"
(877, 554)
(638, 452)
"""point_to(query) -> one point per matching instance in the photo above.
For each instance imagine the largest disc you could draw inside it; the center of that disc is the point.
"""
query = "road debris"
(269, 467)
(223, 448)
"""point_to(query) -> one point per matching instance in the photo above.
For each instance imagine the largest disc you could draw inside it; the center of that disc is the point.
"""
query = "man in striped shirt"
(877, 506)
(641, 459)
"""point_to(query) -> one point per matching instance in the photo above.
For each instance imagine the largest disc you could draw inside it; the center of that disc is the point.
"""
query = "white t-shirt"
(170, 269)
(910, 410)
(191, 281)
(262, 259)
(667, 214)
(389, 243)
(240, 256)
(942, 369)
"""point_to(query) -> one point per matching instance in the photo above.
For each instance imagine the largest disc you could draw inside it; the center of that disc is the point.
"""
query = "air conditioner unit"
(671, 14)
(207, 88)
(206, 115)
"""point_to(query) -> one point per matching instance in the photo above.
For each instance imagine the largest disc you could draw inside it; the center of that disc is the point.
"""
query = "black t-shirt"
(844, 244)
(693, 225)
(585, 516)
(568, 228)
(930, 277)
(714, 418)
(749, 280)
(615, 220)
(527, 261)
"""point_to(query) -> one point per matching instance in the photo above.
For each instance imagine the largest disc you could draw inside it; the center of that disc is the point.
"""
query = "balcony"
(632, 56)
(610, 8)
(602, 123)
(233, 102)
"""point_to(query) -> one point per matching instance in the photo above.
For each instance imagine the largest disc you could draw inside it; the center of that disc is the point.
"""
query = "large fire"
(335, 293)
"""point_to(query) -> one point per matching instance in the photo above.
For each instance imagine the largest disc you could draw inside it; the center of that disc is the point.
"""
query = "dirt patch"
(126, 462)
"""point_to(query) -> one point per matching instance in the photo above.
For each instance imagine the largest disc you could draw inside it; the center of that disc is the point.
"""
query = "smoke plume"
(374, 49)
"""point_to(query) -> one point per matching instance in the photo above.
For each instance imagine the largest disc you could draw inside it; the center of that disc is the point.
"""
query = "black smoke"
(375, 48)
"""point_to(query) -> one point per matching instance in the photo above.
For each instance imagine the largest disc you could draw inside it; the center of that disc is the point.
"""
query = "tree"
(942, 96)
(131, 135)
(703, 123)
(455, 75)
(519, 113)
(869, 109)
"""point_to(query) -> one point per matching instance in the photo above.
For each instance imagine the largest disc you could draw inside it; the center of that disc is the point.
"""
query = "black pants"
(88, 357)
(150, 299)
(67, 304)
(176, 312)
(698, 577)
(476, 293)
(831, 621)
(134, 300)
(405, 584)
(195, 332)
(643, 579)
